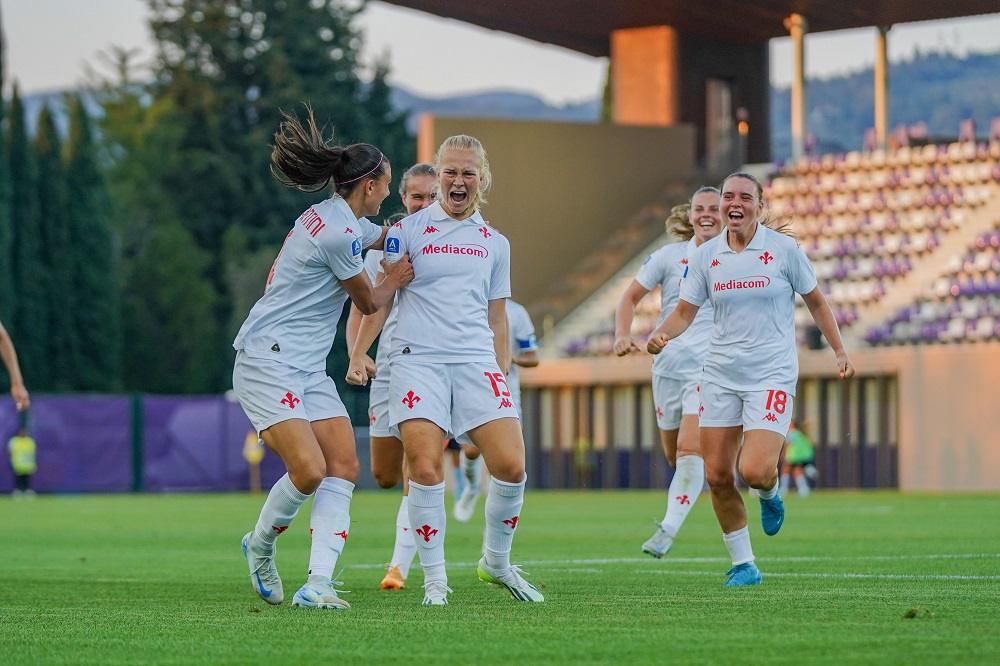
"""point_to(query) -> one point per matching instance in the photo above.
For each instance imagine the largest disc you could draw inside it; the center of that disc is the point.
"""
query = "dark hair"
(303, 159)
(415, 170)
(747, 176)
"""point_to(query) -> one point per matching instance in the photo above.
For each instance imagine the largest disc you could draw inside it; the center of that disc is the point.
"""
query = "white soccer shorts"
(378, 409)
(271, 392)
(457, 397)
(674, 398)
(755, 410)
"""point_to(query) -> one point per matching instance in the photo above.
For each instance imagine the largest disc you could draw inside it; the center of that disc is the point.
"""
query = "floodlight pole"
(797, 27)
(881, 88)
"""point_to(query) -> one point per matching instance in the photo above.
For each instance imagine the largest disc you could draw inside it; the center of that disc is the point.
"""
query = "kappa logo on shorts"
(371, 418)
(771, 417)
(659, 412)
(701, 408)
(392, 244)
(505, 403)
(290, 400)
(411, 399)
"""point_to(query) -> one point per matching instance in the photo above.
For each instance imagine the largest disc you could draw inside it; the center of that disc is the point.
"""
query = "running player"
(524, 353)
(282, 347)
(448, 350)
(416, 188)
(750, 274)
(677, 371)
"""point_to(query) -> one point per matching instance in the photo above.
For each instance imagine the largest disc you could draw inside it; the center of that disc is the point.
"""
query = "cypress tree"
(58, 257)
(29, 324)
(96, 310)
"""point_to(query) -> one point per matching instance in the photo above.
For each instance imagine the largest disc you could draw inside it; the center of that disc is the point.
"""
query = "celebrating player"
(280, 376)
(677, 371)
(447, 353)
(416, 188)
(750, 274)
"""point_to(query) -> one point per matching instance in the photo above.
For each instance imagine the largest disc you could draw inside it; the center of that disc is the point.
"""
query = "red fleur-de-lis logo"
(371, 417)
(683, 499)
(659, 412)
(290, 400)
(398, 225)
(715, 262)
(342, 535)
(701, 409)
(512, 522)
(348, 230)
(426, 532)
(279, 530)
(485, 232)
(430, 230)
(766, 258)
(411, 399)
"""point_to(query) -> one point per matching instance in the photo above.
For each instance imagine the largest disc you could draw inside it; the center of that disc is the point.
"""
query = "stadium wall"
(559, 189)
(920, 418)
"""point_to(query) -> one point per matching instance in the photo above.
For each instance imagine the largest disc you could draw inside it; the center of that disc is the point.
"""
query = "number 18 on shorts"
(754, 410)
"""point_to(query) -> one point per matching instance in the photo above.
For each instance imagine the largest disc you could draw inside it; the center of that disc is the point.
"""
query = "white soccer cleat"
(466, 504)
(436, 593)
(263, 574)
(510, 579)
(659, 544)
(319, 593)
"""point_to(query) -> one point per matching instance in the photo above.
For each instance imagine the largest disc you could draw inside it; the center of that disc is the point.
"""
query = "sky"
(49, 41)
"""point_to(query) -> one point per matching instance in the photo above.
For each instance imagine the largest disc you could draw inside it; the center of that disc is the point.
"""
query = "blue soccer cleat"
(772, 514)
(743, 574)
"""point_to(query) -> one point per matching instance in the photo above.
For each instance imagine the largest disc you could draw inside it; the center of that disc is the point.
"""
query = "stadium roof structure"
(586, 25)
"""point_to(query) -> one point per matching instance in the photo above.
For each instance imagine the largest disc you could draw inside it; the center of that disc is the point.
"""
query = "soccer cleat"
(466, 504)
(743, 574)
(511, 579)
(772, 514)
(393, 579)
(436, 593)
(263, 574)
(319, 593)
(659, 544)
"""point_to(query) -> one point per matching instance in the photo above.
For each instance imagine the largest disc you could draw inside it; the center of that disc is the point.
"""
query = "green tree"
(29, 324)
(57, 257)
(95, 295)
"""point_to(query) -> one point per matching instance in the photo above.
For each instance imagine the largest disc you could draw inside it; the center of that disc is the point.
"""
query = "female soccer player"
(280, 376)
(750, 274)
(677, 371)
(417, 189)
(447, 353)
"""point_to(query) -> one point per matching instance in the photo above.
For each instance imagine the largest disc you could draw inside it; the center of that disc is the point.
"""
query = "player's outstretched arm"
(827, 324)
(17, 389)
(624, 342)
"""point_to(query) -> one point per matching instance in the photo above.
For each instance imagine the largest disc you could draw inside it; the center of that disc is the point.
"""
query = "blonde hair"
(470, 144)
(679, 221)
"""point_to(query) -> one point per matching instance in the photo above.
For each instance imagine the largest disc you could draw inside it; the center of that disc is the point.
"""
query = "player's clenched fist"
(625, 345)
(657, 341)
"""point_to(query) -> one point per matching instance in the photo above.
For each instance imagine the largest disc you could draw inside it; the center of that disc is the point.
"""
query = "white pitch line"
(829, 575)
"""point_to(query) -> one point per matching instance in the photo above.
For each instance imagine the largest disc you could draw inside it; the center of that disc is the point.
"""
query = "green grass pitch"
(853, 578)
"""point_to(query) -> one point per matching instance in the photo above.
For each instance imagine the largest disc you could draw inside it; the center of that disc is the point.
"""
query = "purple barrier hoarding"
(84, 442)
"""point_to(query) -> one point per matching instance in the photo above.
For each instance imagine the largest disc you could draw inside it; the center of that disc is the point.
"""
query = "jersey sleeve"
(372, 265)
(395, 243)
(651, 274)
(370, 233)
(522, 332)
(799, 270)
(500, 275)
(694, 282)
(342, 253)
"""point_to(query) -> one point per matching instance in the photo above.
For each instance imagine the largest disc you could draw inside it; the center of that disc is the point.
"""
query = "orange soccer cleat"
(393, 579)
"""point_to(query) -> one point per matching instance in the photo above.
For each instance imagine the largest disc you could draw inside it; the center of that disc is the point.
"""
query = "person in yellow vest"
(22, 460)
(17, 390)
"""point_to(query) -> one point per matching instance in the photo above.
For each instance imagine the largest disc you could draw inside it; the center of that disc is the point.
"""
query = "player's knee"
(759, 477)
(386, 478)
(425, 471)
(720, 479)
(307, 477)
(509, 471)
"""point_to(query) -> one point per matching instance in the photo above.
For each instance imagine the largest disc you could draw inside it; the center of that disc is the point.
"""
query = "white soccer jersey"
(753, 342)
(458, 267)
(295, 321)
(373, 268)
(522, 340)
(684, 357)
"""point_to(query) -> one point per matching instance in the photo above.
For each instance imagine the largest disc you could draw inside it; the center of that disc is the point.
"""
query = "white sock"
(329, 525)
(428, 521)
(768, 494)
(406, 548)
(803, 485)
(503, 510)
(685, 488)
(280, 507)
(738, 543)
(472, 470)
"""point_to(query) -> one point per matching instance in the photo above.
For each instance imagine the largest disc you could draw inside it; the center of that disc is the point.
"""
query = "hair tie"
(380, 158)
